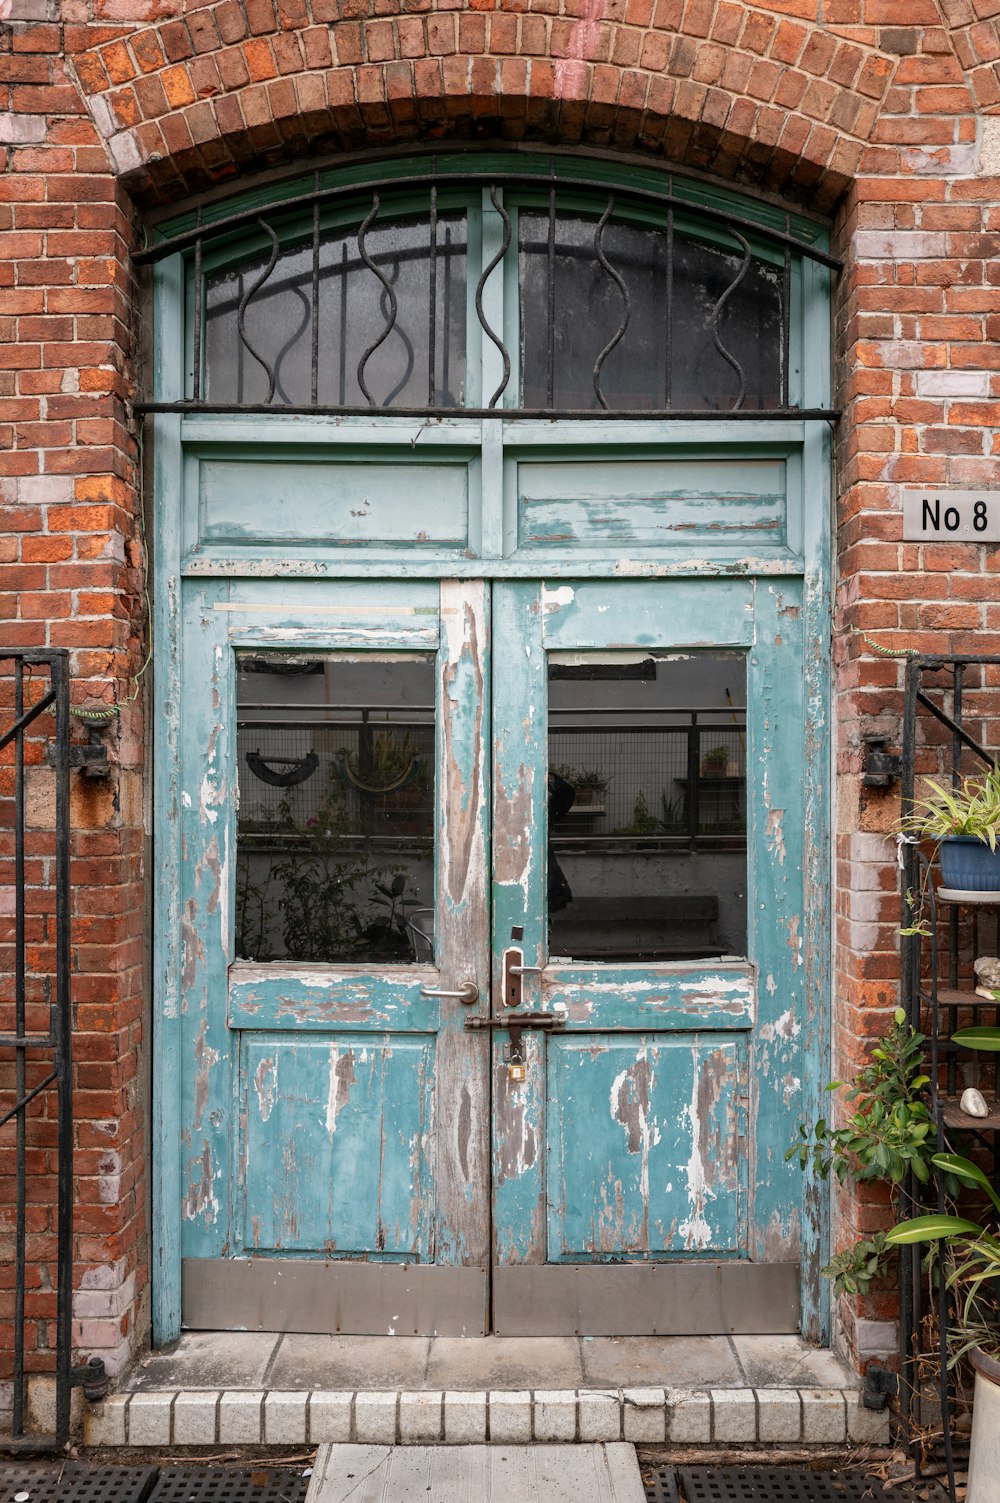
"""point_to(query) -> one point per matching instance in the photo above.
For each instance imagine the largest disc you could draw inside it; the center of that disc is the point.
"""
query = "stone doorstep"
(653, 1416)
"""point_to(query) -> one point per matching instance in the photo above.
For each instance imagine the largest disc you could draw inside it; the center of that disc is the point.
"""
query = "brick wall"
(878, 112)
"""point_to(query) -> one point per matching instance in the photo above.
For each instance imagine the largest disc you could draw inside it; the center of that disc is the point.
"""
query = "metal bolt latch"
(881, 767)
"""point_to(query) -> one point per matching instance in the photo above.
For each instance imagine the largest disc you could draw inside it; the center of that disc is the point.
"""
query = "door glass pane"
(354, 309)
(656, 363)
(335, 832)
(647, 856)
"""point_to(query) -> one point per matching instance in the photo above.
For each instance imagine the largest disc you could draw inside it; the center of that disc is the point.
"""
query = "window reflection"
(647, 806)
(654, 365)
(335, 843)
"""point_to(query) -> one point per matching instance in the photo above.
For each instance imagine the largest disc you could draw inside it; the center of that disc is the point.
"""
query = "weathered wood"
(638, 503)
(462, 925)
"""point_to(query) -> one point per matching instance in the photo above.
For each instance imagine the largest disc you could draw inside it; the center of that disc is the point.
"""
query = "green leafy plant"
(888, 1134)
(715, 761)
(317, 890)
(972, 1257)
(386, 932)
(582, 777)
(855, 1268)
(973, 808)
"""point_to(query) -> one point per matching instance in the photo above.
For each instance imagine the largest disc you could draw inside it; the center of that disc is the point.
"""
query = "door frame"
(180, 442)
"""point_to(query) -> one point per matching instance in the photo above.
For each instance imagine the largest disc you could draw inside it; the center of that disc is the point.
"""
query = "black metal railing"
(42, 1060)
(951, 723)
(298, 217)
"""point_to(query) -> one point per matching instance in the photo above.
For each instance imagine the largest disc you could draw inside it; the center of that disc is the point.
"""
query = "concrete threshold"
(253, 1388)
(486, 1474)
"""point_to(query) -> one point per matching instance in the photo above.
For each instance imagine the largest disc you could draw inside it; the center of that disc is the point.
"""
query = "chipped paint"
(785, 1026)
(557, 599)
(204, 1057)
(265, 1083)
(342, 1078)
(696, 1230)
(794, 938)
(775, 835)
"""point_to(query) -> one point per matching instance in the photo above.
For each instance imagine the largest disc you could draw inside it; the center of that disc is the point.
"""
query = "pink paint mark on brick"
(581, 47)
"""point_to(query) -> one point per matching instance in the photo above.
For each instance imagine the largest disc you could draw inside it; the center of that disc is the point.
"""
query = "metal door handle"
(525, 970)
(468, 993)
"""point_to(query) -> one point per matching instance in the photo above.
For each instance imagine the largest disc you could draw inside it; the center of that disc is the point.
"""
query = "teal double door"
(497, 987)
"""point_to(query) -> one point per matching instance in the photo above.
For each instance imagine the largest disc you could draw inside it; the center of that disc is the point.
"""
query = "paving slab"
(660, 1362)
(789, 1362)
(335, 1362)
(477, 1474)
(505, 1362)
(208, 1359)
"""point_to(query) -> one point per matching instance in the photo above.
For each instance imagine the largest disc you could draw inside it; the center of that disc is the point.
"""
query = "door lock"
(513, 969)
(544, 1022)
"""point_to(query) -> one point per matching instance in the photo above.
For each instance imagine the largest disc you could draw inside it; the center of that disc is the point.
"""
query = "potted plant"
(392, 779)
(963, 822)
(972, 1258)
(715, 762)
(590, 786)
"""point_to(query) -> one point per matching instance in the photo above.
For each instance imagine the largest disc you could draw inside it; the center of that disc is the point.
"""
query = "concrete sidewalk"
(477, 1474)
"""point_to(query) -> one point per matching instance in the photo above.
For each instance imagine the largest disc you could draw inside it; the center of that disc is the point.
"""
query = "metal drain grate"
(75, 1482)
(660, 1483)
(771, 1484)
(183, 1484)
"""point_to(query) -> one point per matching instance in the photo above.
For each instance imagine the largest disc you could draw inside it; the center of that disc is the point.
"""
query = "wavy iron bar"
(619, 281)
(717, 310)
(487, 273)
(389, 292)
(245, 300)
(309, 297)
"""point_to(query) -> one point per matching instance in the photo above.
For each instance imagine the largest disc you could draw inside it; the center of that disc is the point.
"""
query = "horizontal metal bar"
(689, 415)
(27, 1041)
(473, 179)
(934, 660)
(29, 715)
(30, 1097)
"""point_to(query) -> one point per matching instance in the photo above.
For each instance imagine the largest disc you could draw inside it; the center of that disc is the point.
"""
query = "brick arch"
(756, 96)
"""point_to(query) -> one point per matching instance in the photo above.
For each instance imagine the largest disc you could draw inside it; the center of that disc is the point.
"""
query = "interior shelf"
(950, 997)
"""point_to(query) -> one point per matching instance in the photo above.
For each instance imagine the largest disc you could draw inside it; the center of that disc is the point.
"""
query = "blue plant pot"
(968, 864)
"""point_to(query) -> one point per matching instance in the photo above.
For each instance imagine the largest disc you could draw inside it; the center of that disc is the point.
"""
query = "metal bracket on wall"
(881, 767)
(91, 756)
(92, 1378)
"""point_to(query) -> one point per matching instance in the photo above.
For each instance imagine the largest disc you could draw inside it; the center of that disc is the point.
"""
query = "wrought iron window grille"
(293, 234)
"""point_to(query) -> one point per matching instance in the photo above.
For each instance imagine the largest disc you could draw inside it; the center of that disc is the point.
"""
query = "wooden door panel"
(337, 1156)
(651, 1124)
(645, 1139)
(335, 1112)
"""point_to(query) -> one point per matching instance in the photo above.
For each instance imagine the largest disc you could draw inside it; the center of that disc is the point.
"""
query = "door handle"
(468, 993)
(513, 969)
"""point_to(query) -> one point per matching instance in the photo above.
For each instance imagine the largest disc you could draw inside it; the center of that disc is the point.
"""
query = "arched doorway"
(492, 547)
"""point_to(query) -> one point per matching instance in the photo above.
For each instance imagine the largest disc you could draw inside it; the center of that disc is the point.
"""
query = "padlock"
(517, 1071)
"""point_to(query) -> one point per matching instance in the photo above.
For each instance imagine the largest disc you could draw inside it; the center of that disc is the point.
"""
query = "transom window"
(534, 291)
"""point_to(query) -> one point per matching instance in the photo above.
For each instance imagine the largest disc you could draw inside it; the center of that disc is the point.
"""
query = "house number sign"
(946, 516)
